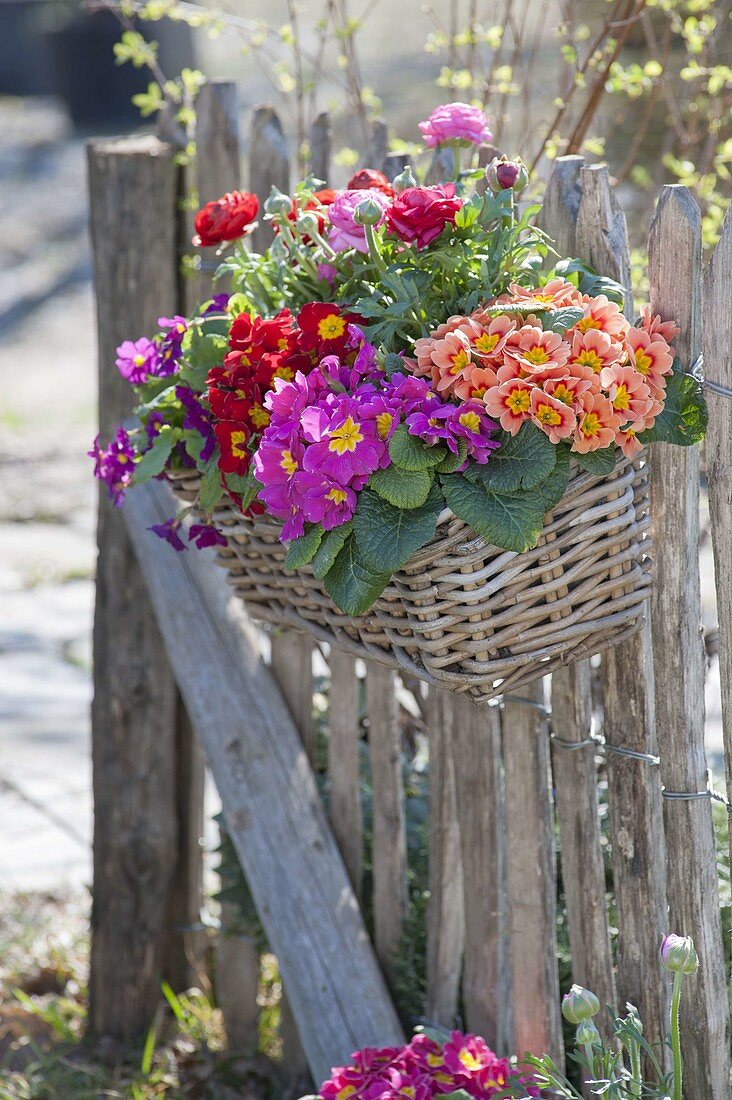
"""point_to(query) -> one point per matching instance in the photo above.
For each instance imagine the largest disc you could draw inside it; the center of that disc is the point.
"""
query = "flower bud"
(587, 1034)
(368, 212)
(503, 175)
(678, 954)
(278, 202)
(579, 1004)
(307, 224)
(405, 179)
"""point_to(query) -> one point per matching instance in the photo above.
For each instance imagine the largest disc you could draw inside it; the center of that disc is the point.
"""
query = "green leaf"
(330, 547)
(402, 488)
(559, 320)
(469, 212)
(523, 461)
(411, 453)
(512, 521)
(245, 485)
(205, 350)
(154, 460)
(599, 463)
(301, 551)
(211, 489)
(454, 462)
(393, 364)
(555, 486)
(683, 419)
(387, 536)
(350, 583)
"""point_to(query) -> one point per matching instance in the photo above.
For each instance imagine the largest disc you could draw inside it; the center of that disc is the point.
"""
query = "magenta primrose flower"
(171, 344)
(115, 465)
(137, 360)
(344, 232)
(456, 122)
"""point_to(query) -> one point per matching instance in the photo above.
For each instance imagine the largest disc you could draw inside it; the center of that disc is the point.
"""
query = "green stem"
(676, 1035)
(590, 1059)
(636, 1079)
(374, 251)
(456, 161)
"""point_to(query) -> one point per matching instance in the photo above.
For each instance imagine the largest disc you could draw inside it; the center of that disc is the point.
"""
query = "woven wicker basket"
(463, 614)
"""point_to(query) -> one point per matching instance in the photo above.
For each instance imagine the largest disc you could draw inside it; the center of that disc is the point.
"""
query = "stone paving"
(47, 414)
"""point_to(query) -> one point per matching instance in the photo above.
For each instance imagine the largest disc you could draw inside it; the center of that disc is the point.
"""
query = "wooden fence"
(504, 782)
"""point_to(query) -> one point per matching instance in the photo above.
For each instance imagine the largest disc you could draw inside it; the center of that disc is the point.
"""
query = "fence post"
(674, 260)
(446, 907)
(133, 194)
(717, 345)
(321, 143)
(634, 789)
(531, 885)
(269, 166)
(344, 771)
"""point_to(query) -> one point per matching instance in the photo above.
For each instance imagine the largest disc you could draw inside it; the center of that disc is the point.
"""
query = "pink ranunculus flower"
(344, 232)
(456, 122)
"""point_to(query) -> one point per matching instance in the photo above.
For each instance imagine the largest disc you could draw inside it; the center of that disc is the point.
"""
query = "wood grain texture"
(237, 986)
(133, 191)
(562, 198)
(269, 165)
(378, 148)
(272, 807)
(446, 906)
(476, 746)
(674, 261)
(292, 667)
(389, 852)
(531, 914)
(344, 771)
(717, 347)
(321, 146)
(636, 825)
(583, 869)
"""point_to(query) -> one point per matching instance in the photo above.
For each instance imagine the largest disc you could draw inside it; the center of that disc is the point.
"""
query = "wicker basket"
(463, 614)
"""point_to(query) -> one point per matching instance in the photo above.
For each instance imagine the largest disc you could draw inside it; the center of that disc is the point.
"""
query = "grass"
(43, 1014)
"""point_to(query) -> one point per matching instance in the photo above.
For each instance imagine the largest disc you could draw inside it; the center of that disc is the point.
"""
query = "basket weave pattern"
(463, 614)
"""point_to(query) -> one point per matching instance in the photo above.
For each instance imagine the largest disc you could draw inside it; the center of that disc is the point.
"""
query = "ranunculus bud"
(504, 175)
(678, 954)
(368, 212)
(405, 179)
(307, 224)
(278, 202)
(587, 1034)
(579, 1004)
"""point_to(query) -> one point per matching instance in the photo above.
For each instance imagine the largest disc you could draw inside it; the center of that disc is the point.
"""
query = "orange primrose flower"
(597, 424)
(627, 391)
(510, 404)
(602, 314)
(555, 419)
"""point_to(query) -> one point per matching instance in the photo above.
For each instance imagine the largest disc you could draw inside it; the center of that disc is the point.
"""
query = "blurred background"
(646, 86)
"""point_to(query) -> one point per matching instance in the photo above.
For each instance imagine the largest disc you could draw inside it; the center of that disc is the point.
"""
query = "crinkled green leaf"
(522, 461)
(387, 536)
(350, 583)
(329, 549)
(411, 453)
(245, 485)
(683, 419)
(453, 462)
(154, 460)
(559, 320)
(600, 463)
(553, 488)
(512, 521)
(302, 551)
(393, 363)
(211, 489)
(402, 488)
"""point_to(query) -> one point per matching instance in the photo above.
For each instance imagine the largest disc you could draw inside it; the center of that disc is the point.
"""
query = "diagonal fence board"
(271, 804)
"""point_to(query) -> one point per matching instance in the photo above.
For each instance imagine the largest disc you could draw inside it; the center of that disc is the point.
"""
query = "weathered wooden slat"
(717, 347)
(269, 166)
(583, 869)
(674, 263)
(561, 203)
(133, 190)
(292, 666)
(531, 887)
(389, 845)
(343, 764)
(446, 907)
(476, 748)
(634, 794)
(321, 146)
(271, 804)
(378, 148)
(237, 986)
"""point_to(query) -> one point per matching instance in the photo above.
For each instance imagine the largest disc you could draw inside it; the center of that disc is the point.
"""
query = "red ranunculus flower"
(368, 179)
(418, 215)
(233, 437)
(225, 219)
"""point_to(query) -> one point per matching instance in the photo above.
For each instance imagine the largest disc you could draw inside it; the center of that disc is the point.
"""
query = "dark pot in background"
(25, 67)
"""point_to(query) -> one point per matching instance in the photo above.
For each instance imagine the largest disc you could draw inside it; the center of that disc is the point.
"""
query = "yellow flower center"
(590, 424)
(543, 297)
(345, 1092)
(239, 444)
(486, 343)
(471, 421)
(643, 362)
(459, 361)
(122, 459)
(282, 344)
(564, 394)
(589, 358)
(548, 415)
(288, 463)
(331, 327)
(337, 495)
(622, 398)
(469, 1060)
(536, 355)
(285, 373)
(587, 323)
(408, 1090)
(139, 360)
(383, 424)
(345, 438)
(434, 1060)
(260, 416)
(519, 401)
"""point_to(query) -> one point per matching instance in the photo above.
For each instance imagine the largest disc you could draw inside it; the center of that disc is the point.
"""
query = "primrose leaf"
(411, 453)
(301, 551)
(330, 547)
(559, 320)
(402, 488)
(387, 536)
(350, 583)
(522, 461)
(154, 460)
(598, 463)
(211, 489)
(683, 419)
(512, 521)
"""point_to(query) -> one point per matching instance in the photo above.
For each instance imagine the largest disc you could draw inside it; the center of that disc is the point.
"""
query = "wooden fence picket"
(344, 771)
(321, 146)
(269, 166)
(674, 263)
